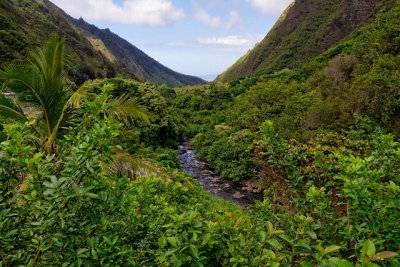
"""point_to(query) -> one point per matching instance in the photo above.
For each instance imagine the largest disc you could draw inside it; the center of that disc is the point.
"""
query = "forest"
(89, 174)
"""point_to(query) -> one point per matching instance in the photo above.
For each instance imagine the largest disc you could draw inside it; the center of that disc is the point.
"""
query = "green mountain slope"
(306, 29)
(26, 25)
(90, 52)
(143, 66)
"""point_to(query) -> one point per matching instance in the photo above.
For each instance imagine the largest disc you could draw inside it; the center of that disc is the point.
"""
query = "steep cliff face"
(306, 29)
(90, 52)
(143, 66)
(26, 25)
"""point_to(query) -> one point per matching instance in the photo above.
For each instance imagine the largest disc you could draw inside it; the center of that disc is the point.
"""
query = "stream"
(210, 180)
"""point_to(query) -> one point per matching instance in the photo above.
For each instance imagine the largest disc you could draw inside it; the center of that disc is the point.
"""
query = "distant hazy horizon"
(208, 77)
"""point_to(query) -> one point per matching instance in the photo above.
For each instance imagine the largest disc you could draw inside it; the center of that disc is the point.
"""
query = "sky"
(196, 37)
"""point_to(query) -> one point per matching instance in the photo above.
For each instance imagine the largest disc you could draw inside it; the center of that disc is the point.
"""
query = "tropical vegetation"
(89, 174)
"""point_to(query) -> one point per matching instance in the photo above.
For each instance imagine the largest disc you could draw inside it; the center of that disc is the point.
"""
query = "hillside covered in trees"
(90, 176)
(306, 29)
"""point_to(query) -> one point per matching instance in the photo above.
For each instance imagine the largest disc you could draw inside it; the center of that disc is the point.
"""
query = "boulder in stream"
(216, 181)
(238, 195)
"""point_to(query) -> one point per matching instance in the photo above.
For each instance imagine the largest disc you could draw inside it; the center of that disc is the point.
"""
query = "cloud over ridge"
(270, 7)
(216, 21)
(231, 40)
(145, 12)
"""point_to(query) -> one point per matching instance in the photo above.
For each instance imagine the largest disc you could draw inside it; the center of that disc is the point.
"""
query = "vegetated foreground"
(92, 178)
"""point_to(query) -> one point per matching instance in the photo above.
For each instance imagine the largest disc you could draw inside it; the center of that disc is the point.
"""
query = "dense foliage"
(322, 141)
(357, 78)
(65, 209)
(329, 146)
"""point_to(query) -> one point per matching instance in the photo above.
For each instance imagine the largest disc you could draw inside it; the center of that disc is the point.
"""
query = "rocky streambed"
(212, 182)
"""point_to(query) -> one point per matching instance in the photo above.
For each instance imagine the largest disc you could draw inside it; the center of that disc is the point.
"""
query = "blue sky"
(196, 37)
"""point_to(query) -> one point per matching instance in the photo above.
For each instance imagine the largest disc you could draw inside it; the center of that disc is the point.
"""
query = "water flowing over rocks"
(243, 194)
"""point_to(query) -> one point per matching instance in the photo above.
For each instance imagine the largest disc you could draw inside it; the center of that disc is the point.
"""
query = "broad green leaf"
(269, 253)
(307, 264)
(193, 250)
(49, 192)
(332, 248)
(312, 235)
(334, 260)
(345, 263)
(274, 243)
(367, 252)
(194, 236)
(262, 235)
(368, 249)
(242, 241)
(81, 251)
(94, 254)
(162, 241)
(107, 239)
(91, 195)
(172, 241)
(321, 250)
(287, 240)
(270, 228)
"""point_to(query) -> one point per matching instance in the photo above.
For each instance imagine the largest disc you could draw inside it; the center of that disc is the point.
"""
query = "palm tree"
(42, 83)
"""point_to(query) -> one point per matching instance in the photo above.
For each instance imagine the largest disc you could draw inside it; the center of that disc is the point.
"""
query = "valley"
(291, 157)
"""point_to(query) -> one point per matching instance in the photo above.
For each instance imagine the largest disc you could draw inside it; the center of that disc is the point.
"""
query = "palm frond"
(41, 82)
(49, 65)
(9, 109)
(50, 81)
(82, 92)
(19, 78)
(133, 166)
(125, 108)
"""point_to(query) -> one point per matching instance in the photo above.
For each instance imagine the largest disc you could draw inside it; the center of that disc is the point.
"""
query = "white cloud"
(216, 21)
(146, 12)
(207, 19)
(231, 40)
(220, 4)
(230, 44)
(234, 18)
(270, 7)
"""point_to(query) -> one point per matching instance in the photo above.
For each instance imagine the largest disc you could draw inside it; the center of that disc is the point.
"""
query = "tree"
(41, 83)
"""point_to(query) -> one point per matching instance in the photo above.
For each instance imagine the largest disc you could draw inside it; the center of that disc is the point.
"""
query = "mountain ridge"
(26, 24)
(134, 58)
(306, 29)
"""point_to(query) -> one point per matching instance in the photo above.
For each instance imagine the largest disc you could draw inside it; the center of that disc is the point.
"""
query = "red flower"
(257, 150)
